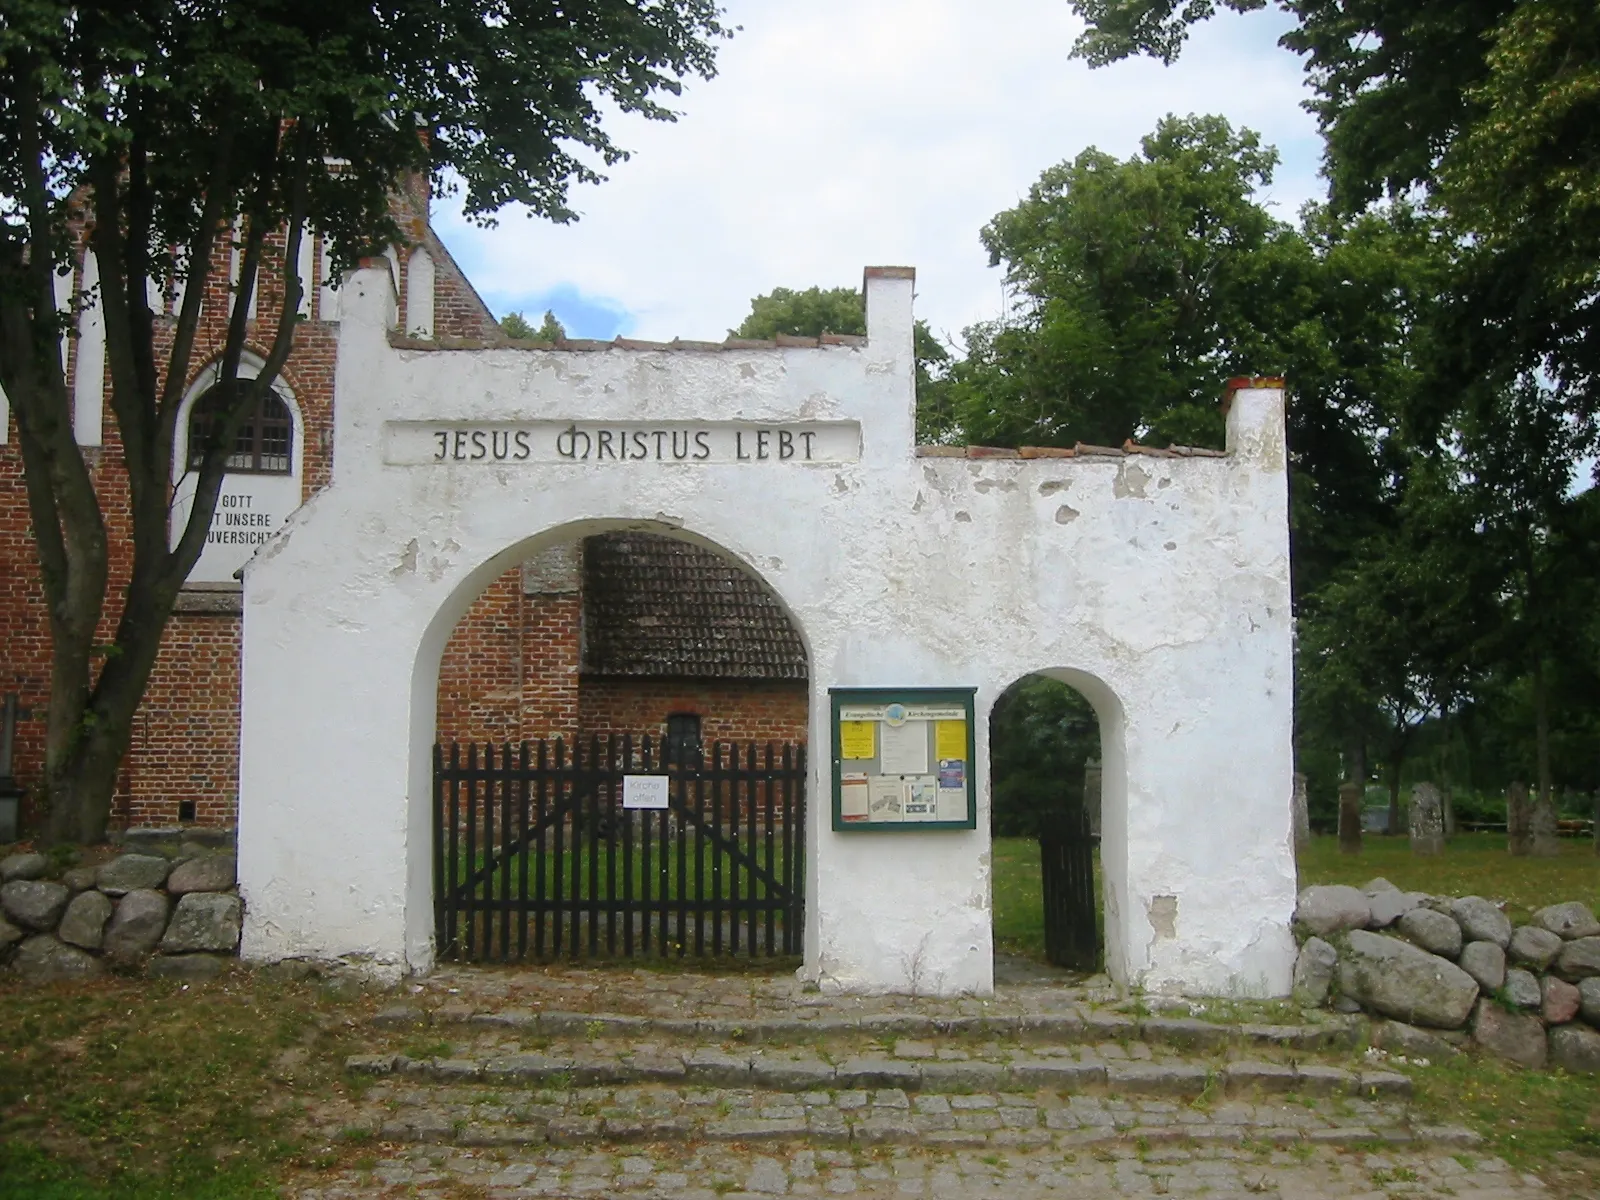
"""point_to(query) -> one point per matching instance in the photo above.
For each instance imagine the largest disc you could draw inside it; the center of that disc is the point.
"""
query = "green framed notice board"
(903, 759)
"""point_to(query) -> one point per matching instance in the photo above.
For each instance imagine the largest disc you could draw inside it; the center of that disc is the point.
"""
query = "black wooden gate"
(1066, 854)
(535, 855)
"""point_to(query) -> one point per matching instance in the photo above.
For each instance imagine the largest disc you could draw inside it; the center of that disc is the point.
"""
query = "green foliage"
(164, 128)
(515, 325)
(1041, 734)
(842, 310)
(550, 329)
(810, 313)
(1140, 285)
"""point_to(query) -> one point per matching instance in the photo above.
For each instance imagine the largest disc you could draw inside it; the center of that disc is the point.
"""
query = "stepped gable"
(658, 607)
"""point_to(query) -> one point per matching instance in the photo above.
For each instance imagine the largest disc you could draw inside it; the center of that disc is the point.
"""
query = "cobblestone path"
(728, 1173)
(568, 1082)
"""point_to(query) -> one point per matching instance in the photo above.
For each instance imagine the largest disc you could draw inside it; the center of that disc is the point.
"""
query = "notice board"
(903, 759)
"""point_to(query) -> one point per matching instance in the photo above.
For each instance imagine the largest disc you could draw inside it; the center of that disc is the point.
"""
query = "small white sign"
(644, 791)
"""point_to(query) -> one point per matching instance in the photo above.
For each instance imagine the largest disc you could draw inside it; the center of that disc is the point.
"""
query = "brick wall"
(185, 737)
(185, 751)
(480, 674)
(502, 682)
(729, 710)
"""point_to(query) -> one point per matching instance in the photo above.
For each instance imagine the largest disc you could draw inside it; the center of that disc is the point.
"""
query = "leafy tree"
(1516, 453)
(550, 329)
(515, 325)
(1392, 77)
(1140, 286)
(1041, 734)
(842, 310)
(157, 125)
(1488, 110)
(1524, 181)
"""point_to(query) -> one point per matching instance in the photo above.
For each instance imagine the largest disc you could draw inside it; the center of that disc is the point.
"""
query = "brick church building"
(621, 632)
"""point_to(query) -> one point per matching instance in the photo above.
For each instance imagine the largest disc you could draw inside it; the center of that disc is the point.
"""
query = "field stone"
(1313, 972)
(1389, 906)
(1481, 920)
(23, 866)
(1576, 1049)
(34, 903)
(1578, 959)
(9, 934)
(1522, 989)
(1485, 962)
(1589, 1000)
(1535, 946)
(1400, 980)
(207, 873)
(131, 872)
(1433, 931)
(1330, 908)
(84, 923)
(137, 925)
(1570, 920)
(187, 966)
(1378, 884)
(1518, 1037)
(44, 959)
(1559, 1001)
(79, 879)
(203, 921)
(1399, 1038)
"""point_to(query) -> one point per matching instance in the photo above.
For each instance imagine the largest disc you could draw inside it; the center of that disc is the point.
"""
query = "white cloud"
(842, 133)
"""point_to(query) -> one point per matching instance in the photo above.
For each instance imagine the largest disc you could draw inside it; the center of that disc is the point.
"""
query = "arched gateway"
(1155, 582)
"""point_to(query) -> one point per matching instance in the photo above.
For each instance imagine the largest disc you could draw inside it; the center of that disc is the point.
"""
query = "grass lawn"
(1018, 898)
(1474, 864)
(134, 1089)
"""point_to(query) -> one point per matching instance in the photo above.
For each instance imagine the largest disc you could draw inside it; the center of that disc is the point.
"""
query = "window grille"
(264, 444)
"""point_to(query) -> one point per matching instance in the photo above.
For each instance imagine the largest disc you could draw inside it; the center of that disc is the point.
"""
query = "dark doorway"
(1044, 755)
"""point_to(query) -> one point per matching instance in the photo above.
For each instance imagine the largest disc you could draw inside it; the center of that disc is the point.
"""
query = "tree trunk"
(81, 790)
(1393, 829)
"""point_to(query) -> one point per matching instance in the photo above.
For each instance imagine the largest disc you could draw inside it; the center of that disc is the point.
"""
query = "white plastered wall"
(1157, 586)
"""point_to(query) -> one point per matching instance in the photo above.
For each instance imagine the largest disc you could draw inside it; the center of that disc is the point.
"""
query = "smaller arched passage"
(1058, 791)
(620, 721)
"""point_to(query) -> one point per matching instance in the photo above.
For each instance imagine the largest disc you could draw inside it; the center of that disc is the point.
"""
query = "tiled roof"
(655, 606)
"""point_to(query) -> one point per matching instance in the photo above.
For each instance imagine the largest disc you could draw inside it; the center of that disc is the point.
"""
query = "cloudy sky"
(842, 133)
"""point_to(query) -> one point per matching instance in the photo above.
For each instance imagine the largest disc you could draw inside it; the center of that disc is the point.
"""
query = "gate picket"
(537, 835)
(1066, 859)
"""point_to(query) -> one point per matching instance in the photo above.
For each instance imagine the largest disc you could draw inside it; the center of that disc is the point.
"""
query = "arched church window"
(264, 444)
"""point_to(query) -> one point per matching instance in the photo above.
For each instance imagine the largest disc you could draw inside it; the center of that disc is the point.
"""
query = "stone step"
(395, 1110)
(1073, 1024)
(1063, 1069)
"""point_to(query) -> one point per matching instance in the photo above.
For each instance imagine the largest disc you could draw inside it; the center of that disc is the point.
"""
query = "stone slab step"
(397, 1111)
(1061, 1069)
(1068, 1025)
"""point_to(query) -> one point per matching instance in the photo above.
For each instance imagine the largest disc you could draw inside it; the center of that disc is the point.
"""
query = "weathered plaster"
(1158, 587)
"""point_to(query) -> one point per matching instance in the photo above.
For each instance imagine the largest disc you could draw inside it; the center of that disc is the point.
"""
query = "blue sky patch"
(582, 315)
